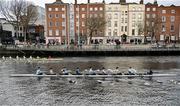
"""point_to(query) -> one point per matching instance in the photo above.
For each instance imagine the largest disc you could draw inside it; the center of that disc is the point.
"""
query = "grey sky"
(164, 2)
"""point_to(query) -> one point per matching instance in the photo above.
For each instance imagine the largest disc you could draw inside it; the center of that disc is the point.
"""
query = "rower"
(65, 72)
(116, 70)
(38, 71)
(131, 71)
(78, 71)
(51, 72)
(103, 71)
(91, 71)
(150, 72)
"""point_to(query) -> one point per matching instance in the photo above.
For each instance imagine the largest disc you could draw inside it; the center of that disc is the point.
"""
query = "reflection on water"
(29, 91)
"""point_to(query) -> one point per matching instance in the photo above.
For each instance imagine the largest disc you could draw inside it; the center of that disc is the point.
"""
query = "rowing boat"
(92, 76)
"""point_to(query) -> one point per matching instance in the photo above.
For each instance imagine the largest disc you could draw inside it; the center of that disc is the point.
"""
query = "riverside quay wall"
(95, 51)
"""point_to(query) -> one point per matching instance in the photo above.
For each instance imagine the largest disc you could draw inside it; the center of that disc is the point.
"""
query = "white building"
(7, 26)
(125, 19)
(136, 19)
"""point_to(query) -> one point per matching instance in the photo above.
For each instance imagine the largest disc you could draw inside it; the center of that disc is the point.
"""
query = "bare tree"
(29, 17)
(152, 27)
(94, 25)
(12, 11)
(140, 28)
(18, 13)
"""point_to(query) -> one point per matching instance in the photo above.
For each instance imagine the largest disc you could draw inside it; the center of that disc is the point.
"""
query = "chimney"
(155, 2)
(122, 1)
(103, 1)
(88, 1)
(141, 2)
(75, 2)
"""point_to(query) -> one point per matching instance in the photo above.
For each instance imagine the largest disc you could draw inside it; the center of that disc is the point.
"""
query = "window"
(77, 23)
(90, 15)
(95, 15)
(63, 9)
(101, 15)
(83, 15)
(133, 24)
(83, 9)
(91, 9)
(134, 16)
(63, 24)
(50, 16)
(109, 8)
(139, 16)
(49, 9)
(115, 16)
(125, 20)
(125, 28)
(77, 9)
(109, 32)
(134, 8)
(148, 9)
(101, 9)
(56, 9)
(95, 8)
(172, 27)
(50, 24)
(139, 9)
(57, 15)
(154, 15)
(109, 23)
(126, 13)
(147, 15)
(122, 28)
(63, 33)
(163, 19)
(57, 24)
(153, 24)
(122, 20)
(163, 11)
(115, 23)
(57, 32)
(63, 16)
(172, 18)
(154, 9)
(122, 13)
(163, 28)
(115, 32)
(50, 32)
(133, 31)
(83, 24)
(173, 11)
(147, 23)
(77, 15)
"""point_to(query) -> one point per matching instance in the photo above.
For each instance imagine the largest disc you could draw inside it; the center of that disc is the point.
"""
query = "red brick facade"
(167, 29)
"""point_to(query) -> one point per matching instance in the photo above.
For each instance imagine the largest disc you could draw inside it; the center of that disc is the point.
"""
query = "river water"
(27, 91)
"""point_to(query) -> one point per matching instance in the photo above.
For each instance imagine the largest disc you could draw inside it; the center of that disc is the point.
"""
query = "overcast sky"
(164, 2)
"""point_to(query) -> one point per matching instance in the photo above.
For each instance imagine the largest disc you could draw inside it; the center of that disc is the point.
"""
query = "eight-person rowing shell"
(90, 71)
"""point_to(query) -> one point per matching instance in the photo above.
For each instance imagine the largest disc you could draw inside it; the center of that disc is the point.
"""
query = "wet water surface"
(27, 91)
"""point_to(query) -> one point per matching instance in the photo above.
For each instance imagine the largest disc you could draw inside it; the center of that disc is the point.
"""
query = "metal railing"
(91, 48)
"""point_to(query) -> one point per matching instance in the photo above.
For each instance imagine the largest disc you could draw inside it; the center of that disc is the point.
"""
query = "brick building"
(162, 23)
(82, 12)
(170, 23)
(57, 22)
(65, 23)
(151, 21)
